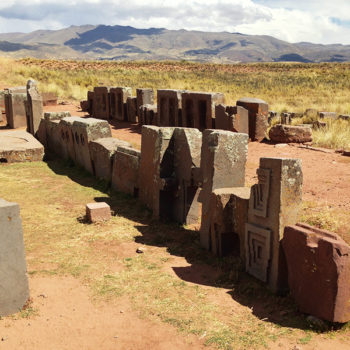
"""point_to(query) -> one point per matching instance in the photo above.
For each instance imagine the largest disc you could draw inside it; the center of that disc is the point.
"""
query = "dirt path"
(66, 318)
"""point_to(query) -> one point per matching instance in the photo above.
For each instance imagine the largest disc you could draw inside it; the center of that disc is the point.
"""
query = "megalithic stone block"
(223, 160)
(229, 214)
(101, 104)
(231, 118)
(144, 97)
(15, 107)
(275, 203)
(169, 104)
(131, 109)
(318, 272)
(258, 117)
(84, 131)
(125, 174)
(156, 166)
(14, 291)
(198, 109)
(102, 153)
(118, 98)
(187, 157)
(148, 115)
(67, 139)
(48, 132)
(34, 107)
(90, 99)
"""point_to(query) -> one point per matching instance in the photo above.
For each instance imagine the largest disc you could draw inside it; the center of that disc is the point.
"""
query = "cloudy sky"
(318, 21)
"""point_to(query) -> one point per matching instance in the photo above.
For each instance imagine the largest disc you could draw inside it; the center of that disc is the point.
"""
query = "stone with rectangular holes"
(169, 107)
(101, 105)
(85, 130)
(198, 109)
(97, 212)
(118, 98)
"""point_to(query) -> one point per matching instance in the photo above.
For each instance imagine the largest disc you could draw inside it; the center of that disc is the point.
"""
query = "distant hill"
(128, 43)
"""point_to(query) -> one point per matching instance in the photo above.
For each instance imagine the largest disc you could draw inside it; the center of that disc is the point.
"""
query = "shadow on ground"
(204, 269)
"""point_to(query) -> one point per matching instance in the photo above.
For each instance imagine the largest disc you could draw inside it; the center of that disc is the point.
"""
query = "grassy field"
(229, 309)
(287, 87)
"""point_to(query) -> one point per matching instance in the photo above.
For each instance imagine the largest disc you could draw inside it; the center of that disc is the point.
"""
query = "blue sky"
(318, 21)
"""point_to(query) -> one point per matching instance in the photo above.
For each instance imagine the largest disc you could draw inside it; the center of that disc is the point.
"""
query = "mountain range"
(127, 43)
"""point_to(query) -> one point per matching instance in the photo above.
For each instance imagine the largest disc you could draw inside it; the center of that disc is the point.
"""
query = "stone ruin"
(179, 108)
(191, 169)
(14, 291)
(194, 177)
(24, 107)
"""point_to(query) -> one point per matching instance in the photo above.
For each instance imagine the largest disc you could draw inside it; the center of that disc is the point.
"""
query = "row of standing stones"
(191, 176)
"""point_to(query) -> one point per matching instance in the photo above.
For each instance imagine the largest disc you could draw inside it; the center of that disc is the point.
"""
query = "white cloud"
(294, 21)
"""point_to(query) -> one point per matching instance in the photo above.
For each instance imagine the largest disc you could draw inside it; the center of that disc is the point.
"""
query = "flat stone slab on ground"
(97, 212)
(19, 146)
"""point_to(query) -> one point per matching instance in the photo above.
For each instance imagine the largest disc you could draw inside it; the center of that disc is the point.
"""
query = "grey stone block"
(14, 291)
(118, 98)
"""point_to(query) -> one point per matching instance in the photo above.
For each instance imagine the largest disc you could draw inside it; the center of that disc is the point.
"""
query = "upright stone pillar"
(274, 203)
(231, 118)
(258, 117)
(169, 107)
(15, 107)
(101, 105)
(144, 97)
(14, 291)
(156, 166)
(118, 98)
(223, 160)
(34, 107)
(187, 158)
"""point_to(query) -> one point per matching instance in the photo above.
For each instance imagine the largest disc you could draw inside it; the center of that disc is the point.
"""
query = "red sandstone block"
(318, 272)
(96, 212)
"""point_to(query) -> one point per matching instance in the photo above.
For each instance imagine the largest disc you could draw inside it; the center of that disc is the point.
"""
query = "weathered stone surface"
(84, 105)
(275, 203)
(90, 99)
(102, 153)
(156, 163)
(97, 212)
(118, 98)
(144, 97)
(19, 146)
(287, 133)
(34, 107)
(169, 104)
(331, 115)
(286, 118)
(231, 118)
(229, 214)
(258, 117)
(14, 291)
(101, 106)
(66, 149)
(318, 272)
(131, 109)
(15, 100)
(198, 109)
(47, 128)
(223, 159)
(148, 115)
(84, 131)
(125, 174)
(49, 99)
(186, 167)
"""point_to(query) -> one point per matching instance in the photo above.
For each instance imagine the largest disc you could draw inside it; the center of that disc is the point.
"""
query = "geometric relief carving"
(261, 192)
(258, 251)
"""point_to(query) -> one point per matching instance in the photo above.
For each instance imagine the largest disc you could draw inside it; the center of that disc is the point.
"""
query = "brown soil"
(66, 318)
